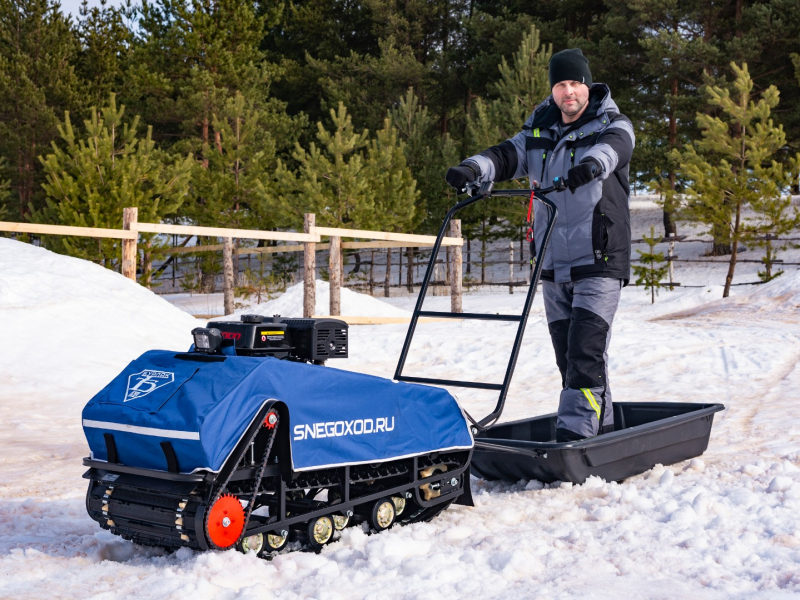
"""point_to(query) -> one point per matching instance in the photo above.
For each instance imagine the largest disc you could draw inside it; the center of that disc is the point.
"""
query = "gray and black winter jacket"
(592, 235)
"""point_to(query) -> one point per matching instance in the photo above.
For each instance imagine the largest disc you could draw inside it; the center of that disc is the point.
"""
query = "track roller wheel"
(382, 515)
(251, 543)
(320, 531)
(225, 521)
(275, 542)
(342, 520)
(399, 504)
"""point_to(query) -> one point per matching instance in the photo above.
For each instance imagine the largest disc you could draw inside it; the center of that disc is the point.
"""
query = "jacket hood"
(548, 114)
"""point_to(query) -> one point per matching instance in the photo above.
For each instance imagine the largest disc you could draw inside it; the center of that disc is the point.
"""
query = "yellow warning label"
(272, 333)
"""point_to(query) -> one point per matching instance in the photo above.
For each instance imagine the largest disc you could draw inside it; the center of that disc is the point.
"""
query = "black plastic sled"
(646, 433)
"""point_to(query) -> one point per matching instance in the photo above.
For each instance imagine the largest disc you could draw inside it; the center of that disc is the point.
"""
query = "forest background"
(248, 114)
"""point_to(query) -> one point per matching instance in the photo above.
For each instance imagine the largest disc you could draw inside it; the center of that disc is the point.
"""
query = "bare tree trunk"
(399, 266)
(236, 244)
(227, 274)
(335, 270)
(670, 227)
(371, 272)
(309, 269)
(410, 273)
(734, 250)
(387, 280)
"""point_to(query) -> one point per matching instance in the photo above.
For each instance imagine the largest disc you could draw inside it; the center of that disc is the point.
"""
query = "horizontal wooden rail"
(384, 239)
(382, 320)
(387, 236)
(297, 247)
(118, 234)
(251, 234)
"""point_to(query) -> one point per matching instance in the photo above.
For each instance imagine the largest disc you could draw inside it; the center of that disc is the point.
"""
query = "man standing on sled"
(577, 133)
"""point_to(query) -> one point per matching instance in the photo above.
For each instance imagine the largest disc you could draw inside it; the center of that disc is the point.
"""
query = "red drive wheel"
(225, 521)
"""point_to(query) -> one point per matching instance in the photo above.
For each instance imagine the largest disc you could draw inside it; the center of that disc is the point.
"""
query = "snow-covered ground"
(726, 525)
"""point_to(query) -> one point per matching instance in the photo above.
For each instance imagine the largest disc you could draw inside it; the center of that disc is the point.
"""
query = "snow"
(724, 525)
(290, 304)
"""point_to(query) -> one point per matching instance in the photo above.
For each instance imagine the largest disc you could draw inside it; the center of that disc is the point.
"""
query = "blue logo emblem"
(141, 384)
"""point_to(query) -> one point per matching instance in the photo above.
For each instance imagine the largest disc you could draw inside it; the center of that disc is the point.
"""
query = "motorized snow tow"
(247, 440)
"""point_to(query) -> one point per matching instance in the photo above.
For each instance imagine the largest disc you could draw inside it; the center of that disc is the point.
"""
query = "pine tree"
(775, 213)
(653, 268)
(105, 38)
(188, 60)
(233, 184)
(369, 85)
(37, 84)
(189, 57)
(733, 165)
(428, 155)
(520, 88)
(350, 180)
(92, 175)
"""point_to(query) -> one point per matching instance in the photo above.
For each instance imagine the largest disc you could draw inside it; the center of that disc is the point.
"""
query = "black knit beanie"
(569, 65)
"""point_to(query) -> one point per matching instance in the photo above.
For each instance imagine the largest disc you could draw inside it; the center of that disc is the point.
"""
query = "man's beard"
(578, 107)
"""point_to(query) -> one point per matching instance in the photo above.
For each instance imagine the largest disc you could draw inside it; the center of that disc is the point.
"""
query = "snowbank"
(69, 325)
(353, 304)
(779, 299)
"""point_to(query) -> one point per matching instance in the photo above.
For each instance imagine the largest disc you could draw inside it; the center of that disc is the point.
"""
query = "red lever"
(529, 234)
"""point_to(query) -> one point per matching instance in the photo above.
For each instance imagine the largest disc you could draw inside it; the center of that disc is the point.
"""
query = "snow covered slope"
(777, 300)
(68, 322)
(726, 525)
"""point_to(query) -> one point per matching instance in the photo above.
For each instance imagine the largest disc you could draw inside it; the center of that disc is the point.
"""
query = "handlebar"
(484, 190)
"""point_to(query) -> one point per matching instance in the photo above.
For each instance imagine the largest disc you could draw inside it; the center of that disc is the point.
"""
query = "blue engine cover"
(203, 408)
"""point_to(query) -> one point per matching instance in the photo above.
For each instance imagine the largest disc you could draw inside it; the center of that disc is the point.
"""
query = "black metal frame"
(483, 193)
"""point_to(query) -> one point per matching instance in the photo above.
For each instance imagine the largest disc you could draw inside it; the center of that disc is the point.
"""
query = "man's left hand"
(583, 173)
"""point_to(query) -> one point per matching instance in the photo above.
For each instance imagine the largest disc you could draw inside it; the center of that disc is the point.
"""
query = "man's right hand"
(458, 177)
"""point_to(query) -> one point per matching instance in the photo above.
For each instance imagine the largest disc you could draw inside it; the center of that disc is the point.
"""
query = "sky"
(73, 6)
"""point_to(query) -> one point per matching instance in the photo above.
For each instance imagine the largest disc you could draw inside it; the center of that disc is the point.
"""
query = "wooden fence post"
(309, 268)
(455, 269)
(130, 253)
(335, 270)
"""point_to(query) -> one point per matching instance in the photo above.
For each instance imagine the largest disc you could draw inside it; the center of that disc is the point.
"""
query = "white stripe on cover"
(170, 433)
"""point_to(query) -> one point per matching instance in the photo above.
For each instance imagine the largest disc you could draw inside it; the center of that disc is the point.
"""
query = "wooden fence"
(310, 239)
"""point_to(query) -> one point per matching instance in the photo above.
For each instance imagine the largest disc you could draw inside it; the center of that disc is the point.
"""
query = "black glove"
(458, 177)
(583, 174)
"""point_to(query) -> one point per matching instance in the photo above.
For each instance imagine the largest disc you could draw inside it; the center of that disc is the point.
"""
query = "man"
(577, 132)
